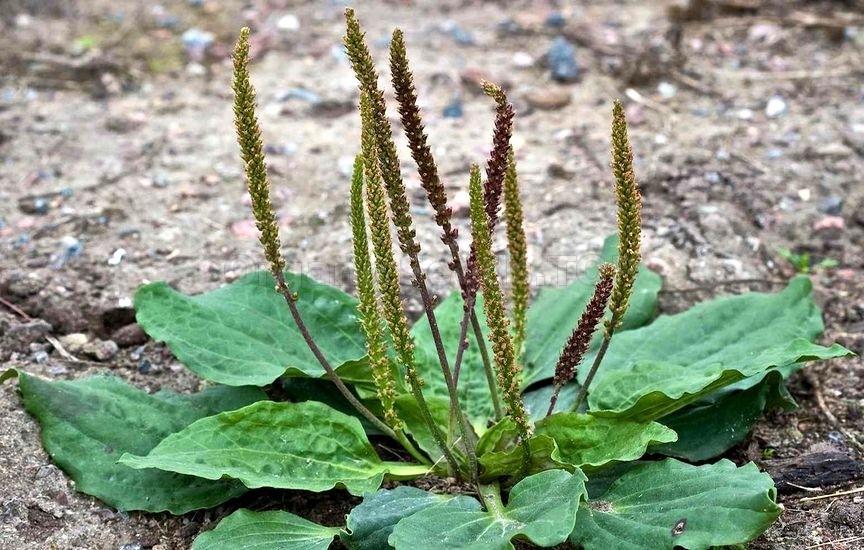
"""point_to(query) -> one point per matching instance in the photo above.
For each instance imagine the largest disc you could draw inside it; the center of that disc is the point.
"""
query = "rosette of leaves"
(585, 467)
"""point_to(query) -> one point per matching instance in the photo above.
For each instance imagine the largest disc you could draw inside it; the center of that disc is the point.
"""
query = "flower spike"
(496, 166)
(252, 153)
(518, 251)
(409, 112)
(502, 345)
(370, 317)
(629, 218)
(576, 346)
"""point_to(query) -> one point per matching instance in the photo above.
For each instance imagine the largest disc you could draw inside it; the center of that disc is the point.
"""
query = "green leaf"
(657, 369)
(589, 442)
(371, 522)
(88, 424)
(243, 333)
(661, 505)
(721, 420)
(541, 508)
(474, 395)
(248, 530)
(499, 454)
(652, 389)
(281, 445)
(556, 312)
(568, 440)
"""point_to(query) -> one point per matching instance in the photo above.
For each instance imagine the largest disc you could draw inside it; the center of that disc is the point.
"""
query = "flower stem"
(583, 391)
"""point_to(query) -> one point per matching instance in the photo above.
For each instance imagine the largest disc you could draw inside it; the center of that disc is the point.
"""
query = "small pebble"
(101, 350)
(562, 61)
(196, 42)
(522, 60)
(117, 256)
(776, 107)
(69, 249)
(556, 20)
(41, 357)
(458, 33)
(288, 23)
(75, 342)
(549, 98)
(453, 110)
(667, 90)
(832, 205)
(144, 366)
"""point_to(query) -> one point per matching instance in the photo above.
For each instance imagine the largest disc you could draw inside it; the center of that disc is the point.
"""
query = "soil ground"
(119, 167)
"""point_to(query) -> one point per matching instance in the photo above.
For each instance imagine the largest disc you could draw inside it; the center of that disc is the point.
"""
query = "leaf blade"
(304, 445)
(88, 424)
(243, 333)
(249, 530)
(670, 503)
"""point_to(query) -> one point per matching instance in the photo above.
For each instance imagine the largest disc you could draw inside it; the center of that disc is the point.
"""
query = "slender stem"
(437, 435)
(478, 332)
(554, 399)
(464, 428)
(490, 494)
(583, 391)
(282, 288)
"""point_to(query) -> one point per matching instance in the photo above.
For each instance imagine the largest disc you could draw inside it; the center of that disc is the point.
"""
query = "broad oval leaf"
(649, 390)
(281, 445)
(556, 312)
(372, 521)
(541, 508)
(589, 442)
(669, 504)
(249, 530)
(654, 370)
(568, 440)
(243, 333)
(721, 420)
(88, 424)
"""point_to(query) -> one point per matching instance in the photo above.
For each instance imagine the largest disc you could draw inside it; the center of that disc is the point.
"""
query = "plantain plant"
(574, 419)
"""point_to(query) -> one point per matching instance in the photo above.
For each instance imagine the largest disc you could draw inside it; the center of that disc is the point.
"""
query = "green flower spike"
(252, 153)
(518, 248)
(388, 275)
(502, 344)
(370, 317)
(629, 218)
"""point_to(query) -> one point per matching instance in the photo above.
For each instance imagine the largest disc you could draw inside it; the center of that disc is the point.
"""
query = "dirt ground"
(118, 167)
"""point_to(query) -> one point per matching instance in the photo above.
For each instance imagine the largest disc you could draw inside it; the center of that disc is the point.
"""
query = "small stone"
(288, 23)
(776, 107)
(196, 42)
(667, 90)
(832, 205)
(41, 357)
(130, 335)
(453, 110)
(144, 366)
(562, 60)
(102, 350)
(745, 114)
(458, 33)
(75, 342)
(522, 60)
(829, 223)
(549, 99)
(117, 256)
(69, 249)
(556, 20)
